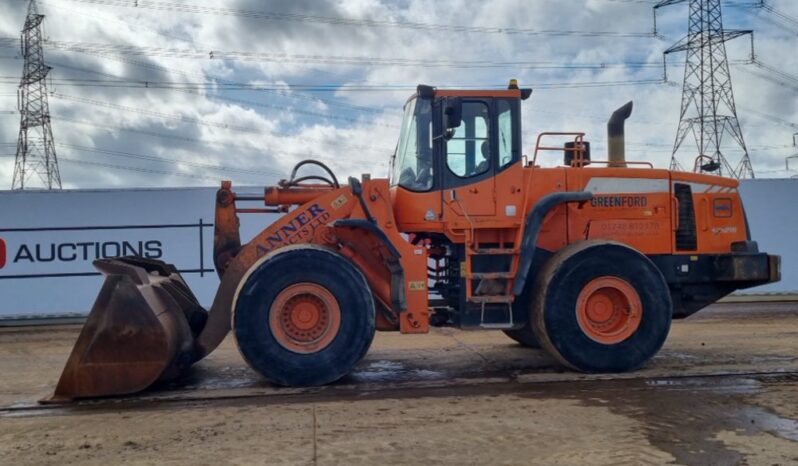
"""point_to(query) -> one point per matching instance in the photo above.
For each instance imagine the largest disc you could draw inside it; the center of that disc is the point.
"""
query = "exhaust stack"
(616, 142)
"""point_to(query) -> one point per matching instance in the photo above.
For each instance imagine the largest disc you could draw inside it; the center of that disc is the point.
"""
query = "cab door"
(468, 181)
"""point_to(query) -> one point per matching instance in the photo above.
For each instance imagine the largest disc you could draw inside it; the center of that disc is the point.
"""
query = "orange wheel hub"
(609, 310)
(305, 318)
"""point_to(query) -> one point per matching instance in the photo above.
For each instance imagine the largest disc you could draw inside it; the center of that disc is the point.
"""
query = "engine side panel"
(629, 205)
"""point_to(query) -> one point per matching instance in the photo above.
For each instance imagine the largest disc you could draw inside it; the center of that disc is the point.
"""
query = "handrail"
(470, 232)
(627, 162)
(578, 149)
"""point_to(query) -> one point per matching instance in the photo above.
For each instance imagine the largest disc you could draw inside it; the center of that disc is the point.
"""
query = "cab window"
(468, 150)
(412, 163)
(506, 156)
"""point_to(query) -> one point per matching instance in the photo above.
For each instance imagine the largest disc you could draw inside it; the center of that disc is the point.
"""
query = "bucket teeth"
(141, 329)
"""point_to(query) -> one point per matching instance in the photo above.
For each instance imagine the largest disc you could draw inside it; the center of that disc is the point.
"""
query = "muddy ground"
(724, 390)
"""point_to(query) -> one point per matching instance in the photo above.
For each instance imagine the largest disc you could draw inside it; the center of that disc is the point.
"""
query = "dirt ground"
(724, 390)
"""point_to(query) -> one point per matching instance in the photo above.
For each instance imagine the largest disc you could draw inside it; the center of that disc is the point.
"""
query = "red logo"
(2, 253)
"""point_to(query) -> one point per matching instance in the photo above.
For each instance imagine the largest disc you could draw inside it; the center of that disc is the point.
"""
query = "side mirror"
(453, 112)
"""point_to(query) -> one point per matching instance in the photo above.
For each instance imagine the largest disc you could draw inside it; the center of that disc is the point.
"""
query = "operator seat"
(482, 167)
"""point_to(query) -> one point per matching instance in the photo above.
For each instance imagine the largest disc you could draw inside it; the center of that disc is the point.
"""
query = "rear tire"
(304, 317)
(601, 306)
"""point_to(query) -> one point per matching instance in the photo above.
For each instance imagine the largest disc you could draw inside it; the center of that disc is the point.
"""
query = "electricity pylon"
(708, 111)
(36, 159)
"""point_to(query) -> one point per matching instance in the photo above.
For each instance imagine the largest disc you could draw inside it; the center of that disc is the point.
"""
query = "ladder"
(473, 249)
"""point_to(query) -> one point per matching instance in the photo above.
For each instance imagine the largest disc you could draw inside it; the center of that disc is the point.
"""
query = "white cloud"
(268, 131)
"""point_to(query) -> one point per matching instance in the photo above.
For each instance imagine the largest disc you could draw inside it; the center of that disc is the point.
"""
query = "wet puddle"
(391, 371)
(684, 416)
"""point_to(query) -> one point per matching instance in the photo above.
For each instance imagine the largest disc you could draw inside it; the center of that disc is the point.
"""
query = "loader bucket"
(140, 330)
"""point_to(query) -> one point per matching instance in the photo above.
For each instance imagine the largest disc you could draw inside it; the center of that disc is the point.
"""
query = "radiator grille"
(686, 239)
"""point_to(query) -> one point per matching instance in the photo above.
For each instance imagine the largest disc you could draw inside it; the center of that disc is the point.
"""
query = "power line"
(189, 90)
(295, 95)
(348, 87)
(63, 118)
(643, 2)
(199, 121)
(223, 145)
(777, 74)
(780, 14)
(771, 78)
(282, 92)
(132, 83)
(151, 158)
(537, 65)
(121, 49)
(386, 87)
(333, 87)
(252, 103)
(779, 18)
(136, 169)
(150, 65)
(773, 118)
(343, 21)
(731, 4)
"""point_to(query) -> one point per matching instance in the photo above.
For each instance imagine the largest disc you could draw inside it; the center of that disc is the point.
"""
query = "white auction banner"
(772, 212)
(48, 241)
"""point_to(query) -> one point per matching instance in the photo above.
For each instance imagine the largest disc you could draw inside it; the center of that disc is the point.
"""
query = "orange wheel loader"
(590, 260)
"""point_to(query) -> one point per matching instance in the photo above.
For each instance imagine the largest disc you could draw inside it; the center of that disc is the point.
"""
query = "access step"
(507, 326)
(491, 275)
(494, 251)
(492, 299)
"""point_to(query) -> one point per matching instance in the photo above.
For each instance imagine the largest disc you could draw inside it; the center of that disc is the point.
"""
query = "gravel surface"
(722, 391)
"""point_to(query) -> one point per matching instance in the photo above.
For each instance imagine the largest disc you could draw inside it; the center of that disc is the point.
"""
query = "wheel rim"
(609, 310)
(305, 318)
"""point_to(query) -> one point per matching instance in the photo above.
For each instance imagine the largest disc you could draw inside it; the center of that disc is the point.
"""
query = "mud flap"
(140, 330)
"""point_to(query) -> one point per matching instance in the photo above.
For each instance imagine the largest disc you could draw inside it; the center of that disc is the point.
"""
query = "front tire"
(525, 336)
(304, 317)
(522, 306)
(601, 306)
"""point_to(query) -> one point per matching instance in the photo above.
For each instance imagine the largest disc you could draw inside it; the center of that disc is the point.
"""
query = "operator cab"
(452, 146)
(451, 138)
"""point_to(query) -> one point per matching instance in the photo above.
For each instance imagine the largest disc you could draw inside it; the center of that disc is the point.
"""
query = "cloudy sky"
(151, 95)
